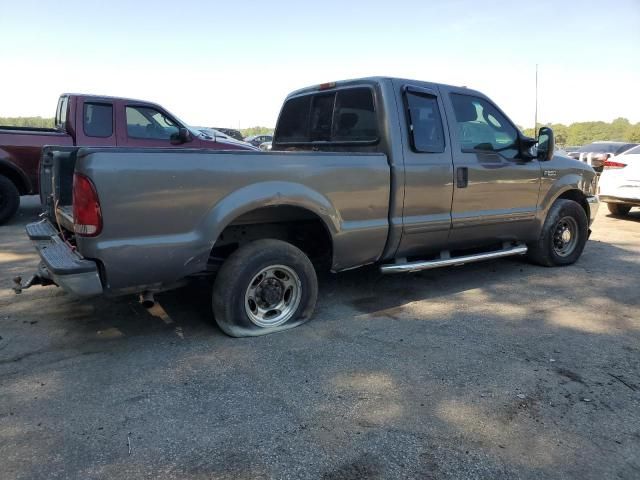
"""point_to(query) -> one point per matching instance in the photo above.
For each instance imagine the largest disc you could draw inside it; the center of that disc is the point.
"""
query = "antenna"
(535, 122)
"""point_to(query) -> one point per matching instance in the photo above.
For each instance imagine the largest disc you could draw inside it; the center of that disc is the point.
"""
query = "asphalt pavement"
(497, 370)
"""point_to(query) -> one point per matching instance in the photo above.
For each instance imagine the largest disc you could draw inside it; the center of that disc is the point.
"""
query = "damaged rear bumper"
(60, 264)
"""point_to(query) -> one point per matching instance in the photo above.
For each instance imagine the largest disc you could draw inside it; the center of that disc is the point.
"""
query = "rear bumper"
(594, 204)
(61, 263)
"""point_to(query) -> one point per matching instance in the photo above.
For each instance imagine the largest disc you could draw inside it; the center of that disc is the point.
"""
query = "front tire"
(264, 287)
(564, 235)
(618, 209)
(9, 199)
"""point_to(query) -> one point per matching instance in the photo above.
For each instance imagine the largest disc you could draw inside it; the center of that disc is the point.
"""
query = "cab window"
(98, 120)
(482, 127)
(149, 123)
(425, 122)
(344, 116)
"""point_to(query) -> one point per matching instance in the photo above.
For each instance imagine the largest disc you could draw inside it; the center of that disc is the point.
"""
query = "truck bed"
(163, 210)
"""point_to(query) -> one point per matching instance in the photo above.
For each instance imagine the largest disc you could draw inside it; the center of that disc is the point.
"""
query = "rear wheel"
(620, 209)
(264, 287)
(564, 235)
(9, 199)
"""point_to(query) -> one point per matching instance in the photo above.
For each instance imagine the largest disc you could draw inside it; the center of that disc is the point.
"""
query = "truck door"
(496, 190)
(95, 124)
(428, 172)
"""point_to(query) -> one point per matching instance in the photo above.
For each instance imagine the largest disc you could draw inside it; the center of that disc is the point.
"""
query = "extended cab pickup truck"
(405, 174)
(89, 120)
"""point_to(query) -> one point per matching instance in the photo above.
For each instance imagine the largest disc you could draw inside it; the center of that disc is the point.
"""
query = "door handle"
(462, 177)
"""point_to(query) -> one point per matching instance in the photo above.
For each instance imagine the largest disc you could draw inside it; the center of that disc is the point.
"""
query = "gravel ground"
(500, 370)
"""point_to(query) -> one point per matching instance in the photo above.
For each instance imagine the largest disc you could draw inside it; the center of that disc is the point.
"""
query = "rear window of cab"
(342, 117)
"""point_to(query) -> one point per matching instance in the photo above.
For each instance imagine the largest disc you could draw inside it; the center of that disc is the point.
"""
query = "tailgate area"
(61, 263)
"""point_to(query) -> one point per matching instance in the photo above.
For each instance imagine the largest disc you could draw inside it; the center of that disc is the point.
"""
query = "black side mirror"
(181, 136)
(546, 144)
(526, 144)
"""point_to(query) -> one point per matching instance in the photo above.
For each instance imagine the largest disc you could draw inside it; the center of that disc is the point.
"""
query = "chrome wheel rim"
(273, 296)
(565, 236)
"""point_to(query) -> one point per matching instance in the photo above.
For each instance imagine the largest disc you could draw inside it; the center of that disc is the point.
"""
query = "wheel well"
(295, 225)
(579, 197)
(16, 178)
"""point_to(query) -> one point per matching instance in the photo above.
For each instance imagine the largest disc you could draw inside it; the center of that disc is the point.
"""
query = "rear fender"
(265, 194)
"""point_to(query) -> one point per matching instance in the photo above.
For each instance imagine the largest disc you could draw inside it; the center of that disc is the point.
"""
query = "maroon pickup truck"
(92, 121)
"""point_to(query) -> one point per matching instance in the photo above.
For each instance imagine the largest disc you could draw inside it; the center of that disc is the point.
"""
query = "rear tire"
(618, 209)
(264, 287)
(9, 199)
(564, 235)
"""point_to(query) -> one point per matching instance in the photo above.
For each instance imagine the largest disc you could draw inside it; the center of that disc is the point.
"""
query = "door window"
(425, 123)
(149, 123)
(98, 120)
(482, 127)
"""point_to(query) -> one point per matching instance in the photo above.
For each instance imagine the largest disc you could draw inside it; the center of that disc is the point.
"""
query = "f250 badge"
(549, 173)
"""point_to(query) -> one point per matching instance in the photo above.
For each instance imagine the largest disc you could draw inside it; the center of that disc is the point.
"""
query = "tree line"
(582, 133)
(579, 133)
(36, 122)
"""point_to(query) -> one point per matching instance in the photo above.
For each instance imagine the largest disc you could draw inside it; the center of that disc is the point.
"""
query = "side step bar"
(447, 262)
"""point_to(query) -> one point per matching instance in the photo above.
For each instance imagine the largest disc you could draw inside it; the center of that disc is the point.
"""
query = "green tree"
(247, 132)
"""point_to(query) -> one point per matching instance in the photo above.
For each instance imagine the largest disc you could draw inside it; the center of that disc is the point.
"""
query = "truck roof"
(374, 79)
(106, 97)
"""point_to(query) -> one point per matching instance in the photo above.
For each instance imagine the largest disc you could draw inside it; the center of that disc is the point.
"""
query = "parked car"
(573, 151)
(235, 134)
(405, 174)
(620, 182)
(92, 121)
(256, 140)
(596, 153)
(213, 134)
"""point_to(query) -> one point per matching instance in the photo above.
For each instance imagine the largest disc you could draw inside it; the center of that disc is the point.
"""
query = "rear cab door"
(428, 168)
(95, 124)
(496, 189)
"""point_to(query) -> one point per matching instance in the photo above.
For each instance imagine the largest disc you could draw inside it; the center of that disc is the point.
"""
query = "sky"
(231, 64)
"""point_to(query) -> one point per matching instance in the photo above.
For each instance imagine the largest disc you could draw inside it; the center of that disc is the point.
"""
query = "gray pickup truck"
(405, 174)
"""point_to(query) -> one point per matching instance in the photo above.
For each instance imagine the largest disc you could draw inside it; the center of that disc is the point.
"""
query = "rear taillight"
(87, 218)
(611, 164)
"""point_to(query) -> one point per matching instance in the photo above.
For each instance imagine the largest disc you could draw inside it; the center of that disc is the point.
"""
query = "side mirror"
(181, 136)
(546, 144)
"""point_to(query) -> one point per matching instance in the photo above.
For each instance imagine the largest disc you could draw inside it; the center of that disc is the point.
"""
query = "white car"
(212, 133)
(620, 182)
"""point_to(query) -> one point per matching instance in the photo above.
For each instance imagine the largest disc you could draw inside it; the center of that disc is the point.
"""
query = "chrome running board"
(445, 261)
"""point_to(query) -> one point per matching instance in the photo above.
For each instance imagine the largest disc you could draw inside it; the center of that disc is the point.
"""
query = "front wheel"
(564, 235)
(264, 287)
(618, 209)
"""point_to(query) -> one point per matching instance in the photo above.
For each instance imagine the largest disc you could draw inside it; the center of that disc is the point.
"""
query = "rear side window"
(98, 120)
(425, 123)
(345, 116)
